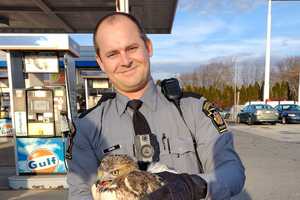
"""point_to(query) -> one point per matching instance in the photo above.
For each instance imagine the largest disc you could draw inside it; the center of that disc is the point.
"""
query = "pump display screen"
(100, 83)
(39, 106)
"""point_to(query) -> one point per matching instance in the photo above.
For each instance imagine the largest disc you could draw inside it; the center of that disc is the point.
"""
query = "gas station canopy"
(79, 16)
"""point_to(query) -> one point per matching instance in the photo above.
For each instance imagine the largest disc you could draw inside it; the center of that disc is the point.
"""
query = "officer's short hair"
(112, 15)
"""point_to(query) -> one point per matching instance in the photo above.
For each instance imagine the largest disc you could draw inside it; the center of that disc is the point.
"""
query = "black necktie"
(141, 127)
(140, 124)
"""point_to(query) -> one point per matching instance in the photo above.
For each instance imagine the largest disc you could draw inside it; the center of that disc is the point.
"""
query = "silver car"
(258, 113)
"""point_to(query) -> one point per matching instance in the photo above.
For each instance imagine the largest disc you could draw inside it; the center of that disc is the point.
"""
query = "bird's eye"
(115, 172)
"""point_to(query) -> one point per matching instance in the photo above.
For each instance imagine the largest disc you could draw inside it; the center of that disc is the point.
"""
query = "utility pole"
(122, 6)
(299, 90)
(268, 53)
(235, 92)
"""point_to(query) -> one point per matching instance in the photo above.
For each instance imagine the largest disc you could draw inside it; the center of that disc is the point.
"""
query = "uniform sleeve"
(83, 165)
(223, 169)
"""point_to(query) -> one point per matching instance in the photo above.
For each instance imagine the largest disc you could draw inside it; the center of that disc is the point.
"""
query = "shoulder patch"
(210, 111)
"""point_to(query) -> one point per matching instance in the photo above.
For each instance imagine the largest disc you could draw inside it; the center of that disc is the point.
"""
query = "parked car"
(224, 113)
(258, 113)
(288, 113)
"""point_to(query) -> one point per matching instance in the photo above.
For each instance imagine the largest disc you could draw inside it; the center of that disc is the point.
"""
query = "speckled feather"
(132, 185)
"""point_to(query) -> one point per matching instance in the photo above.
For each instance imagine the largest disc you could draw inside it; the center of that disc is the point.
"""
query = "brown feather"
(127, 181)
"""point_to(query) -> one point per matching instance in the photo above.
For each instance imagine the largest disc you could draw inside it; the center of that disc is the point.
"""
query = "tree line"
(224, 98)
(217, 80)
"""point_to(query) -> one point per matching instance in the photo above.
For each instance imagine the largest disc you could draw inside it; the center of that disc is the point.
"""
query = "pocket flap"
(182, 145)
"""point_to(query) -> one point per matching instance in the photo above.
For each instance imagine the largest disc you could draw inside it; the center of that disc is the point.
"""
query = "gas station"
(42, 78)
(43, 101)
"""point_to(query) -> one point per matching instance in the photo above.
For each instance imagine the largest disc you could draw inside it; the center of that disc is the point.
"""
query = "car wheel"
(238, 120)
(283, 120)
(249, 121)
(227, 116)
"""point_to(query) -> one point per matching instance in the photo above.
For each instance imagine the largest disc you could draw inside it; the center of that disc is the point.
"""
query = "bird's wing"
(141, 182)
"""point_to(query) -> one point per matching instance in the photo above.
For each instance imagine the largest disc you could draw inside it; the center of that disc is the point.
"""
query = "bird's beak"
(103, 179)
(100, 175)
(104, 176)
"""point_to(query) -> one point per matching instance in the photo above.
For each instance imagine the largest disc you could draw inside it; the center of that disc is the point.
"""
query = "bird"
(119, 178)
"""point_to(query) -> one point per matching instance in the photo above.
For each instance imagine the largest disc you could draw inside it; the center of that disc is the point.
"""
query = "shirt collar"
(149, 99)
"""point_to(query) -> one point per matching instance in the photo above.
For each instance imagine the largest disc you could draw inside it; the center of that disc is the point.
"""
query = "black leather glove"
(179, 187)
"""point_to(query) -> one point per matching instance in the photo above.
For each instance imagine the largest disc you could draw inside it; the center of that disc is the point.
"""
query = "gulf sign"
(42, 161)
(40, 155)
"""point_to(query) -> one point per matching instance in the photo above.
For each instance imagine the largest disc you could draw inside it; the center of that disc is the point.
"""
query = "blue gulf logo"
(42, 161)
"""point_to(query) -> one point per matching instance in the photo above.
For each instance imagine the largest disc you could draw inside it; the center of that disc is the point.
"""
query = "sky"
(216, 29)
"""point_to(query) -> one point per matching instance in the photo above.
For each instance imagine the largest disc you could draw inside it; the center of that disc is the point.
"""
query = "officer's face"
(123, 55)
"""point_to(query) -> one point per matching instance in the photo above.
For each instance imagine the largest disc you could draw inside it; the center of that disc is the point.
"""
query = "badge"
(210, 110)
(112, 148)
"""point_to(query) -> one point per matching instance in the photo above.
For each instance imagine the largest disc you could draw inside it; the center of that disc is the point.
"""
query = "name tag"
(113, 148)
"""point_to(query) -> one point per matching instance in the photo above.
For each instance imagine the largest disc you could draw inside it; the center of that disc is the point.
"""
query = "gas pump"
(46, 111)
(40, 130)
(5, 118)
(40, 112)
(96, 84)
(43, 96)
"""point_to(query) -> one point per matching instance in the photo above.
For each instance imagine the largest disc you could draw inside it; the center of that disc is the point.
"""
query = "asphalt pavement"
(271, 158)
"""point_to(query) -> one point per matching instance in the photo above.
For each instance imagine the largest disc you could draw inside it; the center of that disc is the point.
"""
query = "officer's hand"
(179, 187)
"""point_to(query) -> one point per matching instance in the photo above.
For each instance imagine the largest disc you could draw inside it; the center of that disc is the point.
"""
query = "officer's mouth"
(128, 71)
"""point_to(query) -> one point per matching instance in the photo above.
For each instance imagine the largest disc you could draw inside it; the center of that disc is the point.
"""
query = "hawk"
(118, 178)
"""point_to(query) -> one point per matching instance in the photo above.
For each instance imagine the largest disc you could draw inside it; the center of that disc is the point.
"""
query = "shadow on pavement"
(7, 155)
(7, 162)
(244, 195)
(34, 194)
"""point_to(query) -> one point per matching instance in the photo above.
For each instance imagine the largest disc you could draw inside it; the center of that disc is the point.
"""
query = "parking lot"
(270, 154)
(278, 132)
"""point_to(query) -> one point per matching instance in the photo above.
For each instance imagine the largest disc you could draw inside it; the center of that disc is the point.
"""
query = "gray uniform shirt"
(110, 124)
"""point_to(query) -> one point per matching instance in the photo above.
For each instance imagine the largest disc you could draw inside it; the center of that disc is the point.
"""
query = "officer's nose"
(126, 61)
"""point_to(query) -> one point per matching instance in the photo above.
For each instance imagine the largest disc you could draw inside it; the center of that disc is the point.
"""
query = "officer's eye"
(132, 48)
(112, 54)
(115, 172)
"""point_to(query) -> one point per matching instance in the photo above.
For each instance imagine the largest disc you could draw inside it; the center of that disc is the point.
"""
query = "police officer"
(123, 53)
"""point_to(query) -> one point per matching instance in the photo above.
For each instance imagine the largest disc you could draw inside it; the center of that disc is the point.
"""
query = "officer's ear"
(99, 61)
(149, 47)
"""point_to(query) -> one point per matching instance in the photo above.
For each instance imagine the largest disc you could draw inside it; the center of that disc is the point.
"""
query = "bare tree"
(288, 70)
(251, 72)
(216, 73)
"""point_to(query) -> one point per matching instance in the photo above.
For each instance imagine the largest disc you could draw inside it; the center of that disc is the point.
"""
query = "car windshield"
(263, 107)
(291, 107)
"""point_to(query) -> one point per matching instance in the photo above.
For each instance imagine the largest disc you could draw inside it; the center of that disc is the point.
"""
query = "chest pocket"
(112, 135)
(180, 155)
(116, 147)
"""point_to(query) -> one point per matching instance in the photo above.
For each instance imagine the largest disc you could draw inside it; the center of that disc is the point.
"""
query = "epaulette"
(104, 97)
